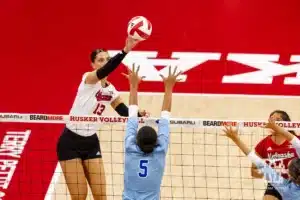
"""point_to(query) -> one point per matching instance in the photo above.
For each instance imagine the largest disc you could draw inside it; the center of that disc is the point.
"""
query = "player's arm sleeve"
(111, 65)
(132, 125)
(122, 110)
(296, 144)
(164, 129)
(269, 173)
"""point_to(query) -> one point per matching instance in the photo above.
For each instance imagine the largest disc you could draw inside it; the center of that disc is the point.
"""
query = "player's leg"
(75, 178)
(94, 168)
(71, 164)
(271, 193)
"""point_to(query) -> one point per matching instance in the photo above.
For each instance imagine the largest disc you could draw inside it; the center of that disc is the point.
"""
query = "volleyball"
(139, 28)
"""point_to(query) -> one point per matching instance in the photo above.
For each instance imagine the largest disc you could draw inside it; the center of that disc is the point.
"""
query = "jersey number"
(144, 168)
(99, 109)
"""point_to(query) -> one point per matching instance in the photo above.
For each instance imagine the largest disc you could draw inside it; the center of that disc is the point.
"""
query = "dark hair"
(95, 53)
(146, 139)
(284, 116)
(294, 170)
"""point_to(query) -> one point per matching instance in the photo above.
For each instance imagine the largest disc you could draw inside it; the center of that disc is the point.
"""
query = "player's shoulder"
(83, 85)
(84, 75)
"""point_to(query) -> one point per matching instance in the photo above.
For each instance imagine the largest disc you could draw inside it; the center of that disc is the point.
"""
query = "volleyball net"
(201, 164)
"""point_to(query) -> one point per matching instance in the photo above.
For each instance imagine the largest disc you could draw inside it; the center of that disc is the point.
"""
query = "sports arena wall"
(226, 49)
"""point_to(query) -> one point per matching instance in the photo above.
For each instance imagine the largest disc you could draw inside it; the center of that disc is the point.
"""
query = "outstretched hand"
(133, 77)
(130, 44)
(230, 132)
(172, 78)
(270, 124)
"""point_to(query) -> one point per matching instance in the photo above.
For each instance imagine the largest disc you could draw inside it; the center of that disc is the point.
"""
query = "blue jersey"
(144, 172)
(287, 189)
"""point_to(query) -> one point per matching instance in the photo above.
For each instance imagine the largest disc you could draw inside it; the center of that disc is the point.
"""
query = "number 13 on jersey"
(144, 168)
(99, 109)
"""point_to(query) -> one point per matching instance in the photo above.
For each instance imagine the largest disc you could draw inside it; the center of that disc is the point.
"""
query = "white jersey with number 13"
(92, 100)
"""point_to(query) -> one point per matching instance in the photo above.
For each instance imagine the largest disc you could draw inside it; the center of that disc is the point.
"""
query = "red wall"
(45, 46)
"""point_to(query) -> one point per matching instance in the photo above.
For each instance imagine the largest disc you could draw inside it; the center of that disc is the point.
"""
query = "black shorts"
(272, 192)
(71, 145)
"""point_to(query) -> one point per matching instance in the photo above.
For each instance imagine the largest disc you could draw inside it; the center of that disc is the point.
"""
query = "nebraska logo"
(100, 97)
(281, 155)
(265, 65)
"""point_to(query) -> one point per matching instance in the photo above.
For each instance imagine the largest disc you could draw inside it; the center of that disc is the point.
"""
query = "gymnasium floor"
(201, 164)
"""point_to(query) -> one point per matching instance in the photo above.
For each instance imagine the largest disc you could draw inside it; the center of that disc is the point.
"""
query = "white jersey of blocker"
(92, 100)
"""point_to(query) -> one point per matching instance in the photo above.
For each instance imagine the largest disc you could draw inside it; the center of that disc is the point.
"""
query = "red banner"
(27, 159)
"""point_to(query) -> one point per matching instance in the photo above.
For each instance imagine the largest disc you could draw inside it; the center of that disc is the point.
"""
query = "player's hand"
(133, 76)
(171, 79)
(130, 44)
(270, 124)
(144, 113)
(230, 132)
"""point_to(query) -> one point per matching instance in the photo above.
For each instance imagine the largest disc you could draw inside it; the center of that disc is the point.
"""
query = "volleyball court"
(201, 164)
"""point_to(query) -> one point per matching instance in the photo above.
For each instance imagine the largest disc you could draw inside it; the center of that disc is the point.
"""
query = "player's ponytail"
(146, 139)
(294, 171)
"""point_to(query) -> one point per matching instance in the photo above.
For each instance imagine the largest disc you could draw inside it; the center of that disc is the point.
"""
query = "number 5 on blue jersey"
(144, 167)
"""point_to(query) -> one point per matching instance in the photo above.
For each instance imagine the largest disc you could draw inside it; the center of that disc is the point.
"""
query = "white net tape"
(112, 120)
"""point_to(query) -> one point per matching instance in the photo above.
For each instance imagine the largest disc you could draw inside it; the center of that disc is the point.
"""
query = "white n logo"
(183, 60)
(265, 63)
(267, 69)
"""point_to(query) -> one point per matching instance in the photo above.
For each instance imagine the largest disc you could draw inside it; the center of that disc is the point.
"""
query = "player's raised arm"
(269, 174)
(288, 136)
(233, 135)
(100, 73)
(169, 83)
(134, 80)
(163, 125)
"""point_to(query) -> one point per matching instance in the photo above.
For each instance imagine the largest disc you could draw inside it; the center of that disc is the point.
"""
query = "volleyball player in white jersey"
(78, 148)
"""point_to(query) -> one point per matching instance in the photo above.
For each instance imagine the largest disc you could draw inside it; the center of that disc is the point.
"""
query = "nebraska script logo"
(102, 97)
(265, 66)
